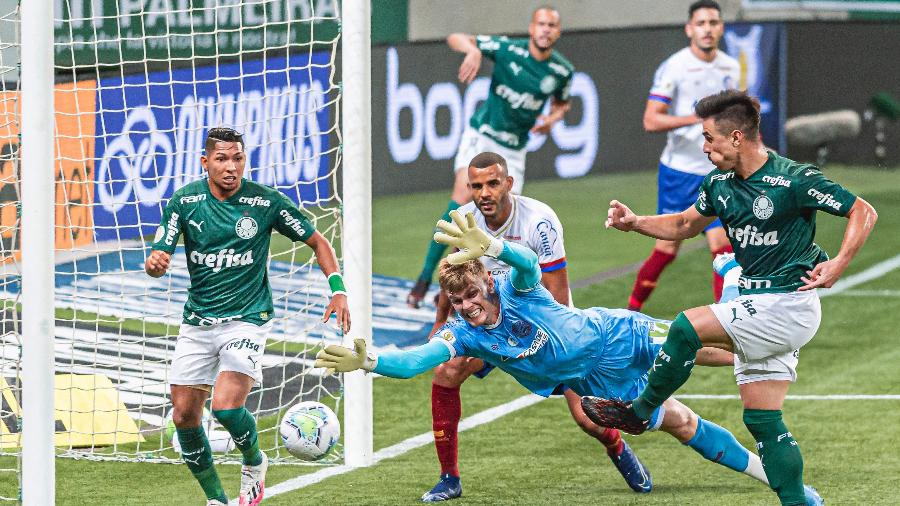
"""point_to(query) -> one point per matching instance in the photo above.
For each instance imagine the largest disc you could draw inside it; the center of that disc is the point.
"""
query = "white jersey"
(532, 224)
(681, 81)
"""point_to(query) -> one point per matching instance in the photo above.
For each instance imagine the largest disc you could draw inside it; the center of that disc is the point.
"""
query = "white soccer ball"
(309, 429)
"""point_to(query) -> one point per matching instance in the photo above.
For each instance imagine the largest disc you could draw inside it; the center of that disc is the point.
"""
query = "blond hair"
(456, 277)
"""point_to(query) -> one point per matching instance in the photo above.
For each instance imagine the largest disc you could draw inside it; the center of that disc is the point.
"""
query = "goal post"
(357, 78)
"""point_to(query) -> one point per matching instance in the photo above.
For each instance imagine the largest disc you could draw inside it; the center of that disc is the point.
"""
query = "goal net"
(138, 84)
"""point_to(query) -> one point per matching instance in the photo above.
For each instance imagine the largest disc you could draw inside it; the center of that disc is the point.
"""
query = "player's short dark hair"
(732, 110)
(703, 4)
(545, 7)
(222, 134)
(457, 277)
(486, 159)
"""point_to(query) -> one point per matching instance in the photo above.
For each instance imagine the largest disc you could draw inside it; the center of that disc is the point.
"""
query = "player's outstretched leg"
(728, 269)
(632, 469)
(242, 427)
(780, 453)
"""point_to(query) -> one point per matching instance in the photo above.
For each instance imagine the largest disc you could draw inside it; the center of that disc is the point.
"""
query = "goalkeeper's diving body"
(227, 223)
(512, 321)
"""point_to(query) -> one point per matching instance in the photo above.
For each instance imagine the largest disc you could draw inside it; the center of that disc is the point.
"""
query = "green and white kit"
(770, 220)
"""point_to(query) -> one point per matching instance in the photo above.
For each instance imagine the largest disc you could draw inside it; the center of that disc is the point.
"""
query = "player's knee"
(451, 374)
(184, 418)
(682, 333)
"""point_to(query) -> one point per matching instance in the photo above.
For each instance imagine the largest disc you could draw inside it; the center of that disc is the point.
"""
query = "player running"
(512, 321)
(768, 204)
(527, 73)
(534, 225)
(684, 78)
(227, 222)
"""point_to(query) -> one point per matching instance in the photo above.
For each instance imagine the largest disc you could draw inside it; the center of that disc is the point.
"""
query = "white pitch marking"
(404, 446)
(874, 272)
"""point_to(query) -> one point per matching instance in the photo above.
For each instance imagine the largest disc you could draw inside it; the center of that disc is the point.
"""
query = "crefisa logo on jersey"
(255, 201)
(763, 207)
(246, 227)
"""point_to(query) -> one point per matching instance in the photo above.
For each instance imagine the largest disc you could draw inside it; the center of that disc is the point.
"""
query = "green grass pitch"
(537, 455)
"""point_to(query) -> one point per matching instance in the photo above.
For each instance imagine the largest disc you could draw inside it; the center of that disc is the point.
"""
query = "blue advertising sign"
(760, 49)
(151, 127)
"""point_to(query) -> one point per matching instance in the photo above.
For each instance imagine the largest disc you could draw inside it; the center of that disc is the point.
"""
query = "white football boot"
(253, 482)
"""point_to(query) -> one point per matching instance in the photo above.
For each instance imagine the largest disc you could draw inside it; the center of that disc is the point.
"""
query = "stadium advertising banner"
(110, 32)
(151, 128)
(760, 50)
(74, 169)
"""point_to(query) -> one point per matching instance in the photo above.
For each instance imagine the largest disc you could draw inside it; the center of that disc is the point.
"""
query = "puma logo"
(252, 361)
(196, 460)
(516, 68)
(198, 225)
(724, 201)
(734, 316)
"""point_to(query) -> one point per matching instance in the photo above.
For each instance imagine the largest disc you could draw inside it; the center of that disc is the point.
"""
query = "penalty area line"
(481, 418)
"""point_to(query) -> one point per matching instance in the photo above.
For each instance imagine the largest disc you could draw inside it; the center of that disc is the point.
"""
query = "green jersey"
(770, 219)
(227, 248)
(520, 85)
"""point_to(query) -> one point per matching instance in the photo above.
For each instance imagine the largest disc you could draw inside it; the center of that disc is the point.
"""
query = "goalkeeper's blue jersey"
(542, 344)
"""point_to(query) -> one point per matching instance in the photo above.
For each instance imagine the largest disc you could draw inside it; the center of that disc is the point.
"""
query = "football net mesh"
(137, 89)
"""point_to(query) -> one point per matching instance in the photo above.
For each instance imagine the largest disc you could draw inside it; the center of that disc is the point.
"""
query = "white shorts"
(472, 143)
(768, 330)
(201, 353)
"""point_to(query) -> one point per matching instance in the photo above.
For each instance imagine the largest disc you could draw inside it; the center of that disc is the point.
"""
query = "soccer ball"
(309, 429)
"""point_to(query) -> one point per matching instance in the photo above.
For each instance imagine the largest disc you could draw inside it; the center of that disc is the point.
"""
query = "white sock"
(755, 469)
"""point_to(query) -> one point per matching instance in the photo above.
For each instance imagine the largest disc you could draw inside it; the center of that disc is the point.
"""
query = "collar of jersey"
(509, 221)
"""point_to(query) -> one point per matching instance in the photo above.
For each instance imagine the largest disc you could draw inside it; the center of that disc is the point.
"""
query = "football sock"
(446, 410)
(718, 280)
(612, 440)
(671, 368)
(242, 427)
(197, 455)
(730, 290)
(720, 446)
(436, 250)
(647, 276)
(779, 453)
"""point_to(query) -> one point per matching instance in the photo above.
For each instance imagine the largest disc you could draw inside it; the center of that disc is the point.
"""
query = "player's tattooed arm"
(328, 263)
(157, 263)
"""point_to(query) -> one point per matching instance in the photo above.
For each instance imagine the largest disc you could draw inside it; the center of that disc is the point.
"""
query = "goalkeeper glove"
(465, 235)
(341, 359)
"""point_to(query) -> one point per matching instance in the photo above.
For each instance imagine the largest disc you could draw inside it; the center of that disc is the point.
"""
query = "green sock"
(779, 453)
(671, 368)
(197, 455)
(435, 250)
(242, 427)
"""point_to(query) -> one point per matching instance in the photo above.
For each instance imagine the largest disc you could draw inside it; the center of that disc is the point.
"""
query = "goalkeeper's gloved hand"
(465, 235)
(341, 359)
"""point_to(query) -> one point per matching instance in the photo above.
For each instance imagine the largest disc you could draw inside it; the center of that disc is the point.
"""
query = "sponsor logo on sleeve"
(548, 237)
(825, 199)
(701, 201)
(447, 335)
(559, 69)
(171, 229)
(294, 224)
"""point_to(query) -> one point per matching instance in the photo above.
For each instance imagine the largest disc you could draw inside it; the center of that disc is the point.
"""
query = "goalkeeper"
(227, 224)
(513, 321)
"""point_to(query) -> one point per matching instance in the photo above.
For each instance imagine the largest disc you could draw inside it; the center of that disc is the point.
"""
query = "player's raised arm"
(466, 44)
(394, 364)
(473, 242)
